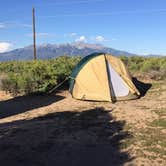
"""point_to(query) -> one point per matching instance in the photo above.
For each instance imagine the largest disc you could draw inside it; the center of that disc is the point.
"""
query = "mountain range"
(49, 51)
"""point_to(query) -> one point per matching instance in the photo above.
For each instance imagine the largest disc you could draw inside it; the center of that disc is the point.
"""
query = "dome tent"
(102, 77)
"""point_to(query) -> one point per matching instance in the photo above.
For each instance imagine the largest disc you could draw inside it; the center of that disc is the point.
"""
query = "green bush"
(35, 76)
(155, 66)
(27, 77)
(10, 84)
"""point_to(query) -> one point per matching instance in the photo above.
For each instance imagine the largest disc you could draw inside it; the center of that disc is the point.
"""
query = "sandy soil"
(59, 130)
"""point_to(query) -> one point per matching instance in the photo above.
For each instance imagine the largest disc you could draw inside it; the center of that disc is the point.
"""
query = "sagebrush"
(26, 77)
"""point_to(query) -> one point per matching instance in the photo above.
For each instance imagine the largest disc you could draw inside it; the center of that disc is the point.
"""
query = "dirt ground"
(59, 130)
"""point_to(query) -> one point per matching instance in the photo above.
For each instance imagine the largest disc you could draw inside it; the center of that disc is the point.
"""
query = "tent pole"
(112, 93)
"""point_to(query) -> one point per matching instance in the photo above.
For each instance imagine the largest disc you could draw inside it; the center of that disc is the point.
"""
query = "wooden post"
(34, 33)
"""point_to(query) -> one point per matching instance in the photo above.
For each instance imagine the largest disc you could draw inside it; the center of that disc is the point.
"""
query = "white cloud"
(41, 34)
(113, 39)
(73, 34)
(2, 25)
(26, 25)
(100, 39)
(14, 24)
(5, 46)
(81, 39)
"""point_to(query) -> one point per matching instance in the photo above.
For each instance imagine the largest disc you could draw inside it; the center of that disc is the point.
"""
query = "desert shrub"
(63, 66)
(150, 64)
(39, 76)
(155, 66)
(27, 77)
(125, 59)
(10, 84)
(133, 63)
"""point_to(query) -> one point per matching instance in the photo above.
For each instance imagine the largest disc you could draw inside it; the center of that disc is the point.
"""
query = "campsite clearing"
(35, 129)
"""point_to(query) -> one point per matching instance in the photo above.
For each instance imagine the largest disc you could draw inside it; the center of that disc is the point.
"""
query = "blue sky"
(137, 26)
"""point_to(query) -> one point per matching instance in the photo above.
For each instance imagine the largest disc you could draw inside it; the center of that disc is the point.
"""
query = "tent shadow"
(91, 137)
(22, 104)
(141, 86)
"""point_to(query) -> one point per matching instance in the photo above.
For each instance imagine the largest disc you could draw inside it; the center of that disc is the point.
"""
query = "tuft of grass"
(158, 151)
(163, 144)
(159, 123)
(157, 84)
(160, 112)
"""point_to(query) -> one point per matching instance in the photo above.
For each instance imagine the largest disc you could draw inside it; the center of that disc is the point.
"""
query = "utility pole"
(34, 33)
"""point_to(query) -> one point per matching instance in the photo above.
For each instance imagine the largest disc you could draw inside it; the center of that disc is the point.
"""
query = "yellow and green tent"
(102, 77)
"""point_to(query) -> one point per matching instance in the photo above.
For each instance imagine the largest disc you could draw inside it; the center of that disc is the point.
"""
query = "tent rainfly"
(102, 77)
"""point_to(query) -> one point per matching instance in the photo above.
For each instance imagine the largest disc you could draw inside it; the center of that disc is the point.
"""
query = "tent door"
(117, 84)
